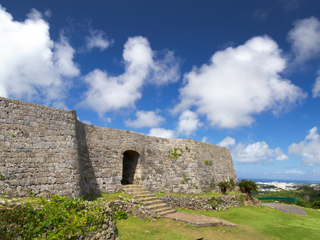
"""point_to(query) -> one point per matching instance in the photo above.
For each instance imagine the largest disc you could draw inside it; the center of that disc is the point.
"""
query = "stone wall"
(38, 150)
(49, 150)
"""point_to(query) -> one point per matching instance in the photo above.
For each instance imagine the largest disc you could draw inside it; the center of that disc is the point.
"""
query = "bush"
(121, 215)
(224, 186)
(315, 205)
(248, 186)
(56, 218)
(303, 203)
(215, 202)
(232, 183)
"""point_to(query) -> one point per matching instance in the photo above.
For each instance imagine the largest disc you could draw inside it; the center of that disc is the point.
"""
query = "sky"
(238, 74)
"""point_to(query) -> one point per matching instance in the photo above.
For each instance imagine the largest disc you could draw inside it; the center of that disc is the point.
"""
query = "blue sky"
(239, 74)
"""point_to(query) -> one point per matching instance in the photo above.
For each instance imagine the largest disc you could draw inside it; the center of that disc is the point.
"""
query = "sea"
(280, 180)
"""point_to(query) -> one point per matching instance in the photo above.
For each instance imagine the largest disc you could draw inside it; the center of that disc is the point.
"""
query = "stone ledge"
(198, 220)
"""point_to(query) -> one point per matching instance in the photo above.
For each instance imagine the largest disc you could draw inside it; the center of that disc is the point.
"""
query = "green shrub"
(232, 183)
(248, 186)
(315, 205)
(121, 215)
(302, 202)
(215, 202)
(224, 186)
(56, 218)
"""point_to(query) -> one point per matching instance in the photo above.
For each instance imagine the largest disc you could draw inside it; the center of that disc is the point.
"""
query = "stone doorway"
(130, 167)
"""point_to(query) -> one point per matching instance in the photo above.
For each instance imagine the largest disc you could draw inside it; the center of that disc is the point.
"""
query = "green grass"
(207, 194)
(253, 223)
(107, 196)
(134, 228)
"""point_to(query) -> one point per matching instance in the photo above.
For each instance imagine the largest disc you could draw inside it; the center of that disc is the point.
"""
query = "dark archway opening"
(129, 169)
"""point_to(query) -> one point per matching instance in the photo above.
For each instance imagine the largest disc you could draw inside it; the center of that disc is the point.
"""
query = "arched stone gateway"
(131, 167)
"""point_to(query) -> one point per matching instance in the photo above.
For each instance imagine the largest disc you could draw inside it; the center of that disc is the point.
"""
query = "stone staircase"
(148, 199)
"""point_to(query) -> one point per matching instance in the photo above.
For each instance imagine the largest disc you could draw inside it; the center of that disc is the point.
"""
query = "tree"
(246, 186)
(224, 186)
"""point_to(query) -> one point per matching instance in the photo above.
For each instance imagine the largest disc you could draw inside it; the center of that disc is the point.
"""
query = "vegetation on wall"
(207, 162)
(174, 153)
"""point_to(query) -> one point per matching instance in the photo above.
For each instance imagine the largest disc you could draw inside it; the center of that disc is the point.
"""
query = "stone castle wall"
(47, 150)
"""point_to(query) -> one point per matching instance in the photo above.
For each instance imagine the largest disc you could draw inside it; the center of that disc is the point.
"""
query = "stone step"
(156, 206)
(147, 203)
(132, 189)
(161, 210)
(144, 195)
(132, 186)
(138, 193)
(162, 213)
(146, 199)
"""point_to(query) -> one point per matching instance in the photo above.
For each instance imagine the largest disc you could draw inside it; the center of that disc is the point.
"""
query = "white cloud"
(252, 153)
(238, 83)
(296, 172)
(316, 88)
(161, 132)
(60, 105)
(256, 153)
(63, 56)
(107, 93)
(309, 149)
(31, 64)
(97, 39)
(226, 142)
(279, 155)
(188, 123)
(87, 122)
(204, 139)
(145, 119)
(305, 39)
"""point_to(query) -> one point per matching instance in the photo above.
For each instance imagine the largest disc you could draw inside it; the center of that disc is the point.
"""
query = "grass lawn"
(207, 194)
(253, 223)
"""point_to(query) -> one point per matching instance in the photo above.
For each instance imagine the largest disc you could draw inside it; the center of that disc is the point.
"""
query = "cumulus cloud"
(188, 123)
(62, 56)
(256, 153)
(238, 83)
(279, 155)
(97, 39)
(87, 122)
(226, 142)
(316, 88)
(161, 132)
(305, 39)
(145, 119)
(309, 149)
(107, 93)
(31, 64)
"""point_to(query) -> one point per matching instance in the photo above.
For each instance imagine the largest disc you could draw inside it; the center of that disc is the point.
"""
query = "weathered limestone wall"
(47, 149)
(193, 171)
(38, 150)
